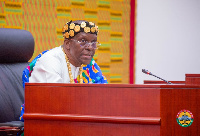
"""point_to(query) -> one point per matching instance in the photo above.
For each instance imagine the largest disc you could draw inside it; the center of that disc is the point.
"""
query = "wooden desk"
(192, 79)
(163, 82)
(109, 109)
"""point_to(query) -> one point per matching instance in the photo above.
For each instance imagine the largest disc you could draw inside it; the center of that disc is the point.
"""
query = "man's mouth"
(88, 56)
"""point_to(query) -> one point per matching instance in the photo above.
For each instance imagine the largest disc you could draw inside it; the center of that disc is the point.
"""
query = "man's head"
(80, 41)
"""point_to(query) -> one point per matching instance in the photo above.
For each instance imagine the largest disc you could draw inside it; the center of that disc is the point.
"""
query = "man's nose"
(89, 45)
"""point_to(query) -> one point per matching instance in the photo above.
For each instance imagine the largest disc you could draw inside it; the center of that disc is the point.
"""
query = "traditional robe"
(52, 68)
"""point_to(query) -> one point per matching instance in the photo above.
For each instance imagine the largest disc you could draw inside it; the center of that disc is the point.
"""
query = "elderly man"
(73, 61)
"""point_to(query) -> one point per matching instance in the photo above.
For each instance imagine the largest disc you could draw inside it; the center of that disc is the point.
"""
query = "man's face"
(80, 54)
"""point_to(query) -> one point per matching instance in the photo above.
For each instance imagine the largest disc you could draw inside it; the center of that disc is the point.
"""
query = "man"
(73, 61)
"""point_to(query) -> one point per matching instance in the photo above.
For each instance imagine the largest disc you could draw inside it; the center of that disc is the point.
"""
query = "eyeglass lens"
(87, 44)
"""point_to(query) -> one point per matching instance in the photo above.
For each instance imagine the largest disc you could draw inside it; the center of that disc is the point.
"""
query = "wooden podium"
(109, 109)
(190, 79)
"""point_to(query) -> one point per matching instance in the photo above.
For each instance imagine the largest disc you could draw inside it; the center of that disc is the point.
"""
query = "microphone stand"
(149, 73)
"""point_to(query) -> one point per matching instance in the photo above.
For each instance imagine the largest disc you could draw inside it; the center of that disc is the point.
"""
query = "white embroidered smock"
(51, 67)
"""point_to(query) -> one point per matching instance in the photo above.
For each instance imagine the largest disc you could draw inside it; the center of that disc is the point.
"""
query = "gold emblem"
(83, 24)
(66, 35)
(72, 25)
(91, 23)
(71, 33)
(77, 28)
(86, 29)
(65, 28)
(93, 29)
(185, 118)
(97, 29)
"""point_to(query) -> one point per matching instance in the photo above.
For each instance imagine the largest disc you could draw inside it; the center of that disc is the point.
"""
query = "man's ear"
(67, 44)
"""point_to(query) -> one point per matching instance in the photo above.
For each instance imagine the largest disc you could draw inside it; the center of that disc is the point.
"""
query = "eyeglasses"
(84, 43)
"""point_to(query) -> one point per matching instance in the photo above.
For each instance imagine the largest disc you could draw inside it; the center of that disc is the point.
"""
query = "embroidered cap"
(71, 29)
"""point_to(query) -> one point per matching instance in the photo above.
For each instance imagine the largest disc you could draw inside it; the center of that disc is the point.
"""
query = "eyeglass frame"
(88, 43)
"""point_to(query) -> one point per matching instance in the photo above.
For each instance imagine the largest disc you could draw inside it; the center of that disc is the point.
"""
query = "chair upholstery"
(16, 48)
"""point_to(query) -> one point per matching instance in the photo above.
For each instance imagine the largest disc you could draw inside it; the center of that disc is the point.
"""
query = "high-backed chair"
(16, 48)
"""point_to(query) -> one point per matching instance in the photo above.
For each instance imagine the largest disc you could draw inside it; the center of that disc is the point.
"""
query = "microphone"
(149, 73)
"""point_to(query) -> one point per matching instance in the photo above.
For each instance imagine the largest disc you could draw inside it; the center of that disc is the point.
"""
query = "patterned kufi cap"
(71, 29)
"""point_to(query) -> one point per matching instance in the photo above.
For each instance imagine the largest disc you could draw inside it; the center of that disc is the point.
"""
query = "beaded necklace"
(70, 72)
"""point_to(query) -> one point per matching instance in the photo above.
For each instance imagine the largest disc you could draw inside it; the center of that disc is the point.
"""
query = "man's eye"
(83, 41)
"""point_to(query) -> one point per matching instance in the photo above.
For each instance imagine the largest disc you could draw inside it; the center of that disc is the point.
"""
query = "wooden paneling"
(174, 100)
(193, 79)
(162, 82)
(109, 109)
(91, 110)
